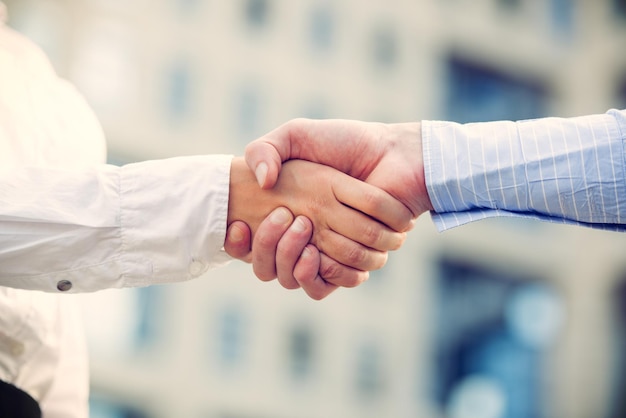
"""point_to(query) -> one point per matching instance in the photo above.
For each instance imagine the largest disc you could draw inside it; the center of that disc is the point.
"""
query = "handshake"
(347, 193)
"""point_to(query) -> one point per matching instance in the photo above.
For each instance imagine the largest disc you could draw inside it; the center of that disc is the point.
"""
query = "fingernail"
(236, 234)
(280, 216)
(298, 225)
(306, 253)
(261, 173)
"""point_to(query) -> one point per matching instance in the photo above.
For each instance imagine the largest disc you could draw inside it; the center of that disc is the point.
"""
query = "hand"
(388, 156)
(373, 235)
(287, 252)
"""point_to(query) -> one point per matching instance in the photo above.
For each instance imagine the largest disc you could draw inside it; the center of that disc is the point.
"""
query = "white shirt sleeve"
(107, 226)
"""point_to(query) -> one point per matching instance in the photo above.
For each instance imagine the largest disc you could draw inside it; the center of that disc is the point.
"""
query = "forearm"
(564, 170)
(145, 223)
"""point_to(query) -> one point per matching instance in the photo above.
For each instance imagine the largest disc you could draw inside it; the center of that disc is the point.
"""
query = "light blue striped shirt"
(553, 169)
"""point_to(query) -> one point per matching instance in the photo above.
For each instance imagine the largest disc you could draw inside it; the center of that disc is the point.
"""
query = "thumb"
(238, 241)
(264, 160)
(265, 155)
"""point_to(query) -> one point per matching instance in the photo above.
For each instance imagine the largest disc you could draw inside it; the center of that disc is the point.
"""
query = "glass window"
(248, 111)
(322, 27)
(301, 351)
(384, 48)
(369, 373)
(187, 6)
(104, 408)
(619, 6)
(231, 329)
(493, 333)
(149, 309)
(622, 94)
(257, 12)
(510, 4)
(480, 93)
(562, 15)
(617, 401)
(178, 89)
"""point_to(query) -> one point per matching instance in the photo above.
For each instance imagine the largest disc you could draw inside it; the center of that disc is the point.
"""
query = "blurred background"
(499, 319)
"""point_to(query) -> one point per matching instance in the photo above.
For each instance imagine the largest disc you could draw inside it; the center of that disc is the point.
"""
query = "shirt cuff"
(173, 218)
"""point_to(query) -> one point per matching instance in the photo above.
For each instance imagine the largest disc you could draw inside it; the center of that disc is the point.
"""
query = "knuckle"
(372, 234)
(373, 200)
(356, 256)
(330, 271)
(355, 279)
(262, 274)
(288, 283)
(266, 241)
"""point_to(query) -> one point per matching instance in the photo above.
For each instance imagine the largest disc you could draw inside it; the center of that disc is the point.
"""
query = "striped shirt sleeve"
(553, 169)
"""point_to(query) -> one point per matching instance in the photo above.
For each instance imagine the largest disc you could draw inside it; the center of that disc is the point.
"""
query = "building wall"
(434, 332)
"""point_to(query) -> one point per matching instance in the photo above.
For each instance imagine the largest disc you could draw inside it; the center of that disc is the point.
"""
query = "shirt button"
(64, 285)
(196, 268)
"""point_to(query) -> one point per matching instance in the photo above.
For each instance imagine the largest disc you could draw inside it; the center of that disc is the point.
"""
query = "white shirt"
(70, 223)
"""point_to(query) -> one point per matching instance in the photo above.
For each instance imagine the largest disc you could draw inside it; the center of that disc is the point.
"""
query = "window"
(510, 4)
(100, 407)
(617, 402)
(248, 112)
(384, 48)
(257, 12)
(622, 94)
(562, 15)
(369, 374)
(322, 27)
(493, 331)
(178, 90)
(619, 6)
(149, 305)
(479, 93)
(231, 331)
(301, 351)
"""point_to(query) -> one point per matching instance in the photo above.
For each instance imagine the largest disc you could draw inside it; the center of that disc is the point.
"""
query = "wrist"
(246, 201)
(408, 138)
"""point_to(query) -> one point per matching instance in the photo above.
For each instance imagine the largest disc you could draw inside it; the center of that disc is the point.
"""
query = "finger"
(266, 241)
(338, 274)
(237, 242)
(311, 282)
(373, 201)
(307, 267)
(289, 249)
(265, 155)
(348, 252)
(361, 228)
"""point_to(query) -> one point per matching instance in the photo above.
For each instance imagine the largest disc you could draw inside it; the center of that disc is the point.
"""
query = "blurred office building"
(499, 319)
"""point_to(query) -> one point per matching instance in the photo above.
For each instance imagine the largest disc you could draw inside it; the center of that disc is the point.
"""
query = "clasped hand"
(336, 228)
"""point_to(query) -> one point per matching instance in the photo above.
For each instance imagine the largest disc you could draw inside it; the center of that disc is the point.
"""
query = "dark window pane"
(510, 4)
(493, 333)
(301, 351)
(179, 88)
(231, 329)
(384, 47)
(619, 6)
(480, 93)
(322, 27)
(257, 12)
(369, 374)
